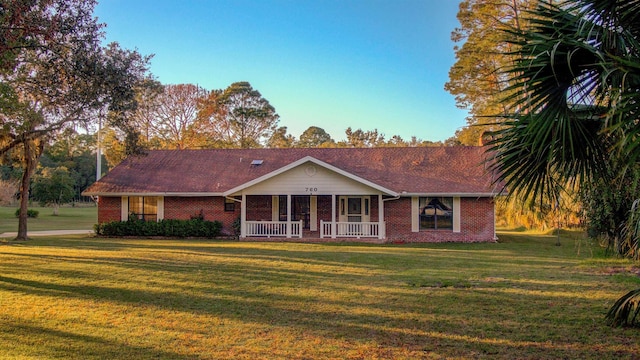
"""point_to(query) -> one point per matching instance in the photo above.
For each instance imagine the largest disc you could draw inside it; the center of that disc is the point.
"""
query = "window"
(436, 213)
(366, 206)
(354, 208)
(229, 204)
(282, 207)
(144, 207)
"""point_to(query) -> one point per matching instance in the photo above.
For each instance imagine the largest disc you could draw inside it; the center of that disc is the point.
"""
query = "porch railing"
(273, 228)
(352, 229)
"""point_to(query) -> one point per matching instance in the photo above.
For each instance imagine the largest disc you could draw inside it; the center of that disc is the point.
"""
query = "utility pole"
(98, 152)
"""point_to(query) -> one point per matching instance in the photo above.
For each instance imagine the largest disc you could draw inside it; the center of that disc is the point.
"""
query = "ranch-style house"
(422, 194)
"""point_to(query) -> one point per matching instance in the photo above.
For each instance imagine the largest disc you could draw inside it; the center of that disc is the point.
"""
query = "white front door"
(354, 209)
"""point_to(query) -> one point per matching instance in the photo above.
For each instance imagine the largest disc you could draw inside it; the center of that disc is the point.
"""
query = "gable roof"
(450, 170)
(304, 160)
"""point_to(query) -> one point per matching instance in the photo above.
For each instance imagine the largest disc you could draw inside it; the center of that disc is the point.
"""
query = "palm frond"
(625, 311)
(573, 94)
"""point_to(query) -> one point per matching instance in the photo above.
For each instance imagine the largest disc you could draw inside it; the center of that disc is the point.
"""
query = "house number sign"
(311, 189)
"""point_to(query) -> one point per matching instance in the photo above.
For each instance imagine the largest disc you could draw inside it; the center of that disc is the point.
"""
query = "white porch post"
(124, 208)
(288, 215)
(243, 216)
(381, 228)
(313, 213)
(333, 216)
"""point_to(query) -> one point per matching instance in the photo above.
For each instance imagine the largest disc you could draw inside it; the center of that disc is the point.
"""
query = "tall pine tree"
(475, 78)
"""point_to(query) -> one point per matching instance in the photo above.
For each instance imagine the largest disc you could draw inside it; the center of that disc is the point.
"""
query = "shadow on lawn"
(377, 303)
(65, 344)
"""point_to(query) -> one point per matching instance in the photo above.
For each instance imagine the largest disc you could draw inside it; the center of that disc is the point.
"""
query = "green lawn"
(69, 218)
(522, 298)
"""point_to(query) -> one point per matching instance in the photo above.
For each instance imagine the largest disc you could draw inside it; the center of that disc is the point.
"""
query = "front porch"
(312, 216)
(328, 230)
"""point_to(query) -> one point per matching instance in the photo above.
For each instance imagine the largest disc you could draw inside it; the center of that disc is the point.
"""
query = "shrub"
(30, 213)
(236, 226)
(167, 227)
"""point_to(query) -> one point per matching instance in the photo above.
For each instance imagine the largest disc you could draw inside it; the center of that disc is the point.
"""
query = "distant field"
(522, 298)
(70, 218)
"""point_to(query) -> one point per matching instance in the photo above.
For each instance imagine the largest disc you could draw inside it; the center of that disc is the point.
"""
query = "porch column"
(333, 216)
(243, 216)
(288, 215)
(381, 228)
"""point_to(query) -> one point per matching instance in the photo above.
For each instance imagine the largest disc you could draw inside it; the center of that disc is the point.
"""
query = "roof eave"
(135, 193)
(451, 194)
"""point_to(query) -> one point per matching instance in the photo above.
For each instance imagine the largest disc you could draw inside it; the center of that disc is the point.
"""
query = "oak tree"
(55, 74)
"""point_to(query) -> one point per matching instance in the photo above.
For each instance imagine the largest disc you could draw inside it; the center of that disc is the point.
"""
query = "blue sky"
(369, 64)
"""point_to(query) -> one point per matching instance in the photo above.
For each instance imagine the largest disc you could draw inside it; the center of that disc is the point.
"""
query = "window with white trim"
(435, 213)
(144, 207)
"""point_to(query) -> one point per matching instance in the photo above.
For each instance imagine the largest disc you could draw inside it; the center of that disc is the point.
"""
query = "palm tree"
(574, 95)
(575, 91)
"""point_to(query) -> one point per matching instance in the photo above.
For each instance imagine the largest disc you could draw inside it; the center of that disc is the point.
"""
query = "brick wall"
(397, 218)
(183, 208)
(476, 223)
(259, 207)
(373, 205)
(108, 209)
(324, 209)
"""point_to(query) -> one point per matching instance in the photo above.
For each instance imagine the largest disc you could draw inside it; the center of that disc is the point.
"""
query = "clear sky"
(369, 64)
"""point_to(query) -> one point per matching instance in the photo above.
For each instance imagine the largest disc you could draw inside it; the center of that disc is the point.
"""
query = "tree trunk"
(31, 156)
(56, 207)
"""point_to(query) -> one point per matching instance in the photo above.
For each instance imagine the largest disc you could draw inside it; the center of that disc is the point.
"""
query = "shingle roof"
(421, 170)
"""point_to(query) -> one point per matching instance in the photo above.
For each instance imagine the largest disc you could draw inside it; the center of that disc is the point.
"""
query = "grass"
(524, 298)
(69, 218)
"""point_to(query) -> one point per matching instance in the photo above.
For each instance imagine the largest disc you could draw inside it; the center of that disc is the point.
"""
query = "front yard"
(524, 297)
(81, 217)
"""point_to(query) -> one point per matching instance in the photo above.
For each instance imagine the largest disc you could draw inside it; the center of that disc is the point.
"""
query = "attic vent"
(256, 162)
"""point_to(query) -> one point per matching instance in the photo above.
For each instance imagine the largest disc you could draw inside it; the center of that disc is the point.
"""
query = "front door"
(300, 209)
(354, 209)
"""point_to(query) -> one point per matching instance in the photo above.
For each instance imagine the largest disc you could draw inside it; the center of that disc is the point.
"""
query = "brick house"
(426, 194)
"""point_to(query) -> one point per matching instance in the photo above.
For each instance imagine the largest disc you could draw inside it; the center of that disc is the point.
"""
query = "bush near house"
(167, 227)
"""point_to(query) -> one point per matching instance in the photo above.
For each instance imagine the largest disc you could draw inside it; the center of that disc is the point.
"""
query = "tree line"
(67, 165)
(187, 116)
